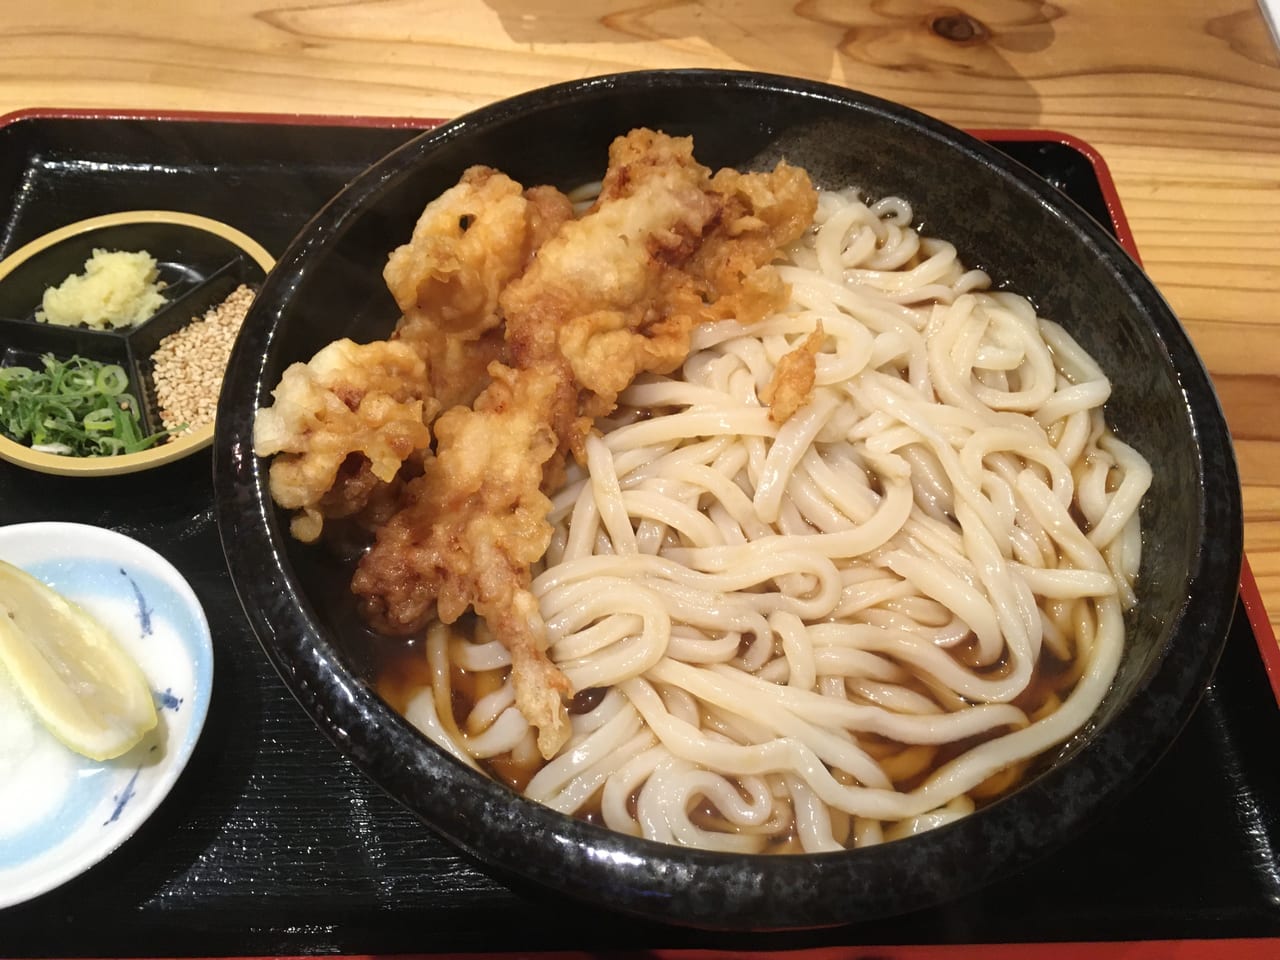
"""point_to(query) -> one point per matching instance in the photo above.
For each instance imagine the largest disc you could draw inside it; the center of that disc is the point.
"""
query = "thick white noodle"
(829, 632)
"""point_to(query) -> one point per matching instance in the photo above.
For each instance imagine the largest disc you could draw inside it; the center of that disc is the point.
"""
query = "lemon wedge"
(77, 679)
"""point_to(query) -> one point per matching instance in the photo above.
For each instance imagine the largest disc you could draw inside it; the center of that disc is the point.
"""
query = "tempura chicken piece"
(608, 297)
(605, 299)
(467, 245)
(475, 523)
(665, 246)
(762, 212)
(341, 425)
(791, 385)
(459, 369)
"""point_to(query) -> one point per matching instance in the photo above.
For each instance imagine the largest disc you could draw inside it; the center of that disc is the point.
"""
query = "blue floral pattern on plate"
(61, 813)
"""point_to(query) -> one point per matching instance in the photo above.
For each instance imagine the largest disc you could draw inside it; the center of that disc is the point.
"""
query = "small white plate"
(61, 813)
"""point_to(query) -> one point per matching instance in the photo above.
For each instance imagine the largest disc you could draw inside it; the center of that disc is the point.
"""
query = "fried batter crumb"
(791, 386)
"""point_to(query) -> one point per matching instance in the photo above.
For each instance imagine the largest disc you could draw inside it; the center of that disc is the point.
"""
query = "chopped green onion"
(77, 408)
(100, 420)
(111, 380)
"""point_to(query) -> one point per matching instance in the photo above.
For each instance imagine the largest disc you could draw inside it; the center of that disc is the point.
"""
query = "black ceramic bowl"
(328, 285)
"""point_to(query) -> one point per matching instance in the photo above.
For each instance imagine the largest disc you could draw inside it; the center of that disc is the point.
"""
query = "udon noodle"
(841, 629)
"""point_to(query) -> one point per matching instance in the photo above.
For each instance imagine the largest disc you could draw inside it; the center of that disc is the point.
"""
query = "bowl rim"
(178, 447)
(646, 878)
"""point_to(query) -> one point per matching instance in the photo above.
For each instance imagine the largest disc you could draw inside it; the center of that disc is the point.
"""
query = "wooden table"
(1181, 97)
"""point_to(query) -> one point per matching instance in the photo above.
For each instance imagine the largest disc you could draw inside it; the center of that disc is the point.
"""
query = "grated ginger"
(117, 289)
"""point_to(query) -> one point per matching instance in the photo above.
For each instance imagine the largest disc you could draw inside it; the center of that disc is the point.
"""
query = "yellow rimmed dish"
(201, 260)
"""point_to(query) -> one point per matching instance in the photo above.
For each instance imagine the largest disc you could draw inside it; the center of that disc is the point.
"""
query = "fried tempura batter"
(469, 243)
(353, 411)
(792, 382)
(585, 306)
(475, 522)
(466, 247)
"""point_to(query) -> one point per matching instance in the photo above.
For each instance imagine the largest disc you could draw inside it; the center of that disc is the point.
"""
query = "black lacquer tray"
(272, 844)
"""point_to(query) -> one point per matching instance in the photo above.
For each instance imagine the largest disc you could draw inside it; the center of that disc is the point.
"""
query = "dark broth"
(403, 672)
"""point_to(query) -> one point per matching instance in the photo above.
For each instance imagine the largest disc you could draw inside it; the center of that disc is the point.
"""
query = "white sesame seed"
(188, 364)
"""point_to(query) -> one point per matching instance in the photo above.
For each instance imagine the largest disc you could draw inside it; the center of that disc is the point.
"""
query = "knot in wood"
(958, 27)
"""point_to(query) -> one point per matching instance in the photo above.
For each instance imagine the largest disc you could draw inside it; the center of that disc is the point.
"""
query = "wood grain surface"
(1181, 97)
